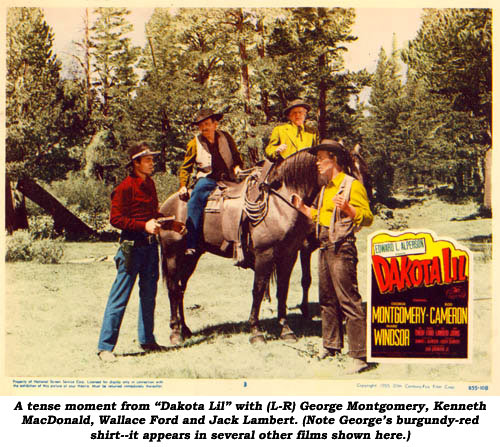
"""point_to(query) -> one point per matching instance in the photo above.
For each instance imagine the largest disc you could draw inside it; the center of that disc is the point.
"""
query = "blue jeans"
(195, 208)
(145, 264)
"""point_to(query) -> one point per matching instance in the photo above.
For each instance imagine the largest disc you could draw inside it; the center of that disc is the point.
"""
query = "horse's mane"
(297, 172)
(360, 170)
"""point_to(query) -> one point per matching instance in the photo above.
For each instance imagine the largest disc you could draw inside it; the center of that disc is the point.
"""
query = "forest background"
(425, 124)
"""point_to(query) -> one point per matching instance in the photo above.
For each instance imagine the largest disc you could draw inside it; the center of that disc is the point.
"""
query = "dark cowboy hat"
(296, 103)
(204, 114)
(138, 150)
(335, 148)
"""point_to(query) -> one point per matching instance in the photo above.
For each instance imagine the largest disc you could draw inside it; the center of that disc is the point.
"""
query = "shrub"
(85, 194)
(98, 221)
(166, 184)
(22, 247)
(18, 246)
(41, 227)
(47, 251)
(33, 209)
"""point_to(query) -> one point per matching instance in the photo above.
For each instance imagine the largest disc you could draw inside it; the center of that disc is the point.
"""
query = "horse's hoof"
(176, 338)
(257, 339)
(305, 312)
(289, 337)
(186, 332)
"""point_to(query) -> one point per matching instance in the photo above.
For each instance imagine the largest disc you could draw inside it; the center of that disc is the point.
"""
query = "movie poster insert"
(420, 298)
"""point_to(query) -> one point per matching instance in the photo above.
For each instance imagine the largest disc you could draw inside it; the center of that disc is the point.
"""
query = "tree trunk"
(322, 100)
(487, 179)
(245, 78)
(265, 106)
(86, 45)
(63, 218)
(264, 96)
(16, 217)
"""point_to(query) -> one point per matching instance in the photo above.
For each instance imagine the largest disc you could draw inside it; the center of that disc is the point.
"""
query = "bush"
(41, 227)
(22, 247)
(18, 246)
(84, 194)
(33, 209)
(97, 221)
(166, 184)
(47, 251)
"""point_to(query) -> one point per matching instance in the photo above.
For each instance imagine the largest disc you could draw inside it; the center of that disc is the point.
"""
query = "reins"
(257, 210)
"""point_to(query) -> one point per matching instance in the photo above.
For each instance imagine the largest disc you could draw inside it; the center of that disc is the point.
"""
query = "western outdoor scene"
(415, 125)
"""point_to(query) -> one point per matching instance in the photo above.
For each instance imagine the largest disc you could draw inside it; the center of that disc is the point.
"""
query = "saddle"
(230, 200)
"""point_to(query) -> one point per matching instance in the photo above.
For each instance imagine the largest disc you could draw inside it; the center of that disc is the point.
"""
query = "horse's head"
(299, 174)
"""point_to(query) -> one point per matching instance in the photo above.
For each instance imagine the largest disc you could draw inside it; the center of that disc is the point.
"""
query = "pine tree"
(113, 62)
(382, 138)
(33, 99)
(451, 60)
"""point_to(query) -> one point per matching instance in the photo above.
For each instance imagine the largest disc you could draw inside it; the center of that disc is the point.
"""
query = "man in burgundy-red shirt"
(134, 210)
(133, 203)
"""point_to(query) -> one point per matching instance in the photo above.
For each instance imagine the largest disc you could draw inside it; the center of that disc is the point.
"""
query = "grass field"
(54, 315)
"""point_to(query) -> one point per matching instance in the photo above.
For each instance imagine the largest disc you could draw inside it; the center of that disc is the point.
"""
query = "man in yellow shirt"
(343, 208)
(286, 139)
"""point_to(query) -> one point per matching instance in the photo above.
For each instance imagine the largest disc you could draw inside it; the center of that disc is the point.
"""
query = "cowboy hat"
(335, 148)
(138, 150)
(204, 114)
(296, 103)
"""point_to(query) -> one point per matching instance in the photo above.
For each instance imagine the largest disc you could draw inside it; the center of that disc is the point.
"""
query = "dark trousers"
(195, 209)
(339, 297)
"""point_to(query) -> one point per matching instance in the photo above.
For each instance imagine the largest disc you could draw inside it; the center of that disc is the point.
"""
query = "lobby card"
(420, 301)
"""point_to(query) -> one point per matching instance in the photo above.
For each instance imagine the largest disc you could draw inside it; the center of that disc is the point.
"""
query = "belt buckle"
(150, 239)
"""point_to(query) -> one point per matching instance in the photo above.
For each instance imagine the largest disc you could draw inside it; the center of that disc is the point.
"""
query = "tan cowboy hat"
(137, 150)
(204, 114)
(296, 103)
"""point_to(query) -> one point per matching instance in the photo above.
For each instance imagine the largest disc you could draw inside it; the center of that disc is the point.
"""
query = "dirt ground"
(54, 314)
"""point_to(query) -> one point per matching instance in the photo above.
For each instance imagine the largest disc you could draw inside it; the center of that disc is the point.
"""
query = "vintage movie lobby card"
(420, 298)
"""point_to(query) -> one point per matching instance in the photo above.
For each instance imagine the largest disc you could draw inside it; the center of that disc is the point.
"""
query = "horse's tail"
(359, 170)
(170, 240)
(274, 275)
(272, 280)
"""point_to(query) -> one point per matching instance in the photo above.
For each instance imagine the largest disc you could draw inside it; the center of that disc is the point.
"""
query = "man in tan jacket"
(214, 156)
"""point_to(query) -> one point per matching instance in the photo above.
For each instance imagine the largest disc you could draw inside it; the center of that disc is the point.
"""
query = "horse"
(273, 244)
(359, 170)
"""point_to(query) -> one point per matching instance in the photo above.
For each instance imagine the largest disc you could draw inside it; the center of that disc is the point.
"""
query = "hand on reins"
(183, 194)
(152, 226)
(280, 148)
(298, 203)
(343, 205)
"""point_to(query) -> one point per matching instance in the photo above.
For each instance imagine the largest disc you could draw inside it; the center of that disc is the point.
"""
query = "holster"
(127, 248)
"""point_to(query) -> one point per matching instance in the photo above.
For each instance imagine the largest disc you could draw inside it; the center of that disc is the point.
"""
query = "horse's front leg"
(175, 298)
(263, 266)
(310, 244)
(185, 331)
(284, 267)
(178, 273)
(305, 263)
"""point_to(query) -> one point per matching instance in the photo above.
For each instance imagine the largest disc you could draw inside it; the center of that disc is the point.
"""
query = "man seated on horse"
(214, 155)
(343, 207)
(286, 139)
